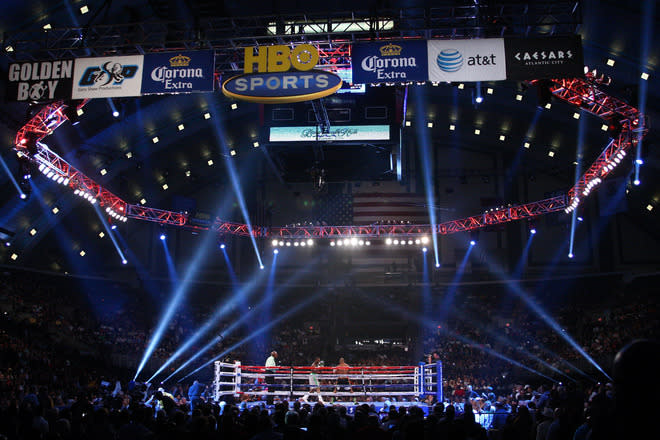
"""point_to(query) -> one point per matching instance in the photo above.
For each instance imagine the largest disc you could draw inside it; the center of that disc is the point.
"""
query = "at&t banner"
(466, 60)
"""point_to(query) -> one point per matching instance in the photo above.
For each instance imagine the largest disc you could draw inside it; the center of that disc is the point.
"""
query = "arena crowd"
(58, 381)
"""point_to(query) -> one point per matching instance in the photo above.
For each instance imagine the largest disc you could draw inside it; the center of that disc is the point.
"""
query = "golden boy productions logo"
(282, 75)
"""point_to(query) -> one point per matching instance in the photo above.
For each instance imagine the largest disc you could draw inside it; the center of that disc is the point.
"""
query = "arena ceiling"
(136, 168)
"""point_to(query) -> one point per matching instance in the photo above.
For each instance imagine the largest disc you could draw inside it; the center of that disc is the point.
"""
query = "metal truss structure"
(580, 92)
(630, 124)
(331, 32)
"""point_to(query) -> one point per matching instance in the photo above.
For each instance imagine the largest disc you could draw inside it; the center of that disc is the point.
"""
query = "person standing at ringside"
(271, 365)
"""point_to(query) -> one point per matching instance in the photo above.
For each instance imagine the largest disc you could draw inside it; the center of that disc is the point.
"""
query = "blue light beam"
(261, 330)
(219, 313)
(233, 176)
(11, 177)
(427, 172)
(536, 308)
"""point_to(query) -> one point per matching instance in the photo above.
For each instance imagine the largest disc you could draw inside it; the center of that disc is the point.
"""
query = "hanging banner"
(397, 61)
(178, 72)
(282, 74)
(336, 133)
(40, 81)
(544, 57)
(466, 60)
(107, 77)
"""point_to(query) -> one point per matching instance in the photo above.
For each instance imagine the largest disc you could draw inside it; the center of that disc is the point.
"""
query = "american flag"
(364, 206)
(372, 207)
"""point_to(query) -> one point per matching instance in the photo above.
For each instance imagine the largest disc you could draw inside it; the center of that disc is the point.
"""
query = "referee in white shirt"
(271, 363)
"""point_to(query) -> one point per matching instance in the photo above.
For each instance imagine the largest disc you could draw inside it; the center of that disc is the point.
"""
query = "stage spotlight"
(388, 241)
(23, 196)
(417, 241)
(544, 93)
(367, 243)
(479, 99)
(113, 227)
(437, 264)
(570, 255)
(532, 231)
(395, 242)
(424, 250)
(276, 251)
(354, 241)
(262, 267)
(71, 112)
(222, 245)
(347, 241)
(636, 182)
(295, 243)
(410, 242)
(310, 242)
(340, 243)
(472, 242)
(474, 237)
(163, 237)
(115, 113)
(580, 219)
(275, 242)
(332, 243)
(281, 243)
(639, 161)
(425, 240)
(124, 261)
(302, 243)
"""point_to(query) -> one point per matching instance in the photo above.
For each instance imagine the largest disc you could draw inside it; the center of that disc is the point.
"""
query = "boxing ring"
(329, 384)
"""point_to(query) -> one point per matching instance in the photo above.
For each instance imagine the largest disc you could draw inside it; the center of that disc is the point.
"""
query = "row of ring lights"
(354, 241)
(596, 181)
(573, 205)
(396, 241)
(85, 195)
(53, 174)
(615, 161)
(114, 214)
(301, 243)
(591, 185)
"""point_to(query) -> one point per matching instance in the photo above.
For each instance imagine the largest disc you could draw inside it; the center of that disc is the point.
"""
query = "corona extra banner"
(282, 75)
(396, 61)
(107, 77)
(178, 72)
(40, 81)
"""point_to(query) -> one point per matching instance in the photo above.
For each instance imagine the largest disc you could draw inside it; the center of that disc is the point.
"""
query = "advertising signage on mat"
(178, 72)
(544, 57)
(336, 133)
(466, 60)
(40, 81)
(107, 77)
(396, 61)
(282, 75)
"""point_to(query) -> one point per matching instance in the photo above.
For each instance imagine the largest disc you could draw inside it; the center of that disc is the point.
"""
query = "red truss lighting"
(577, 91)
